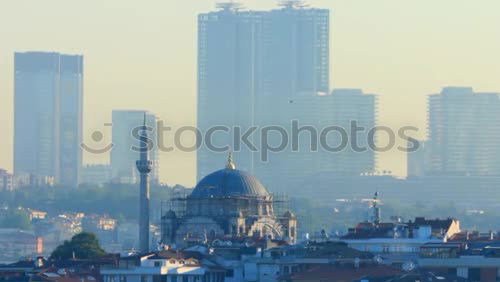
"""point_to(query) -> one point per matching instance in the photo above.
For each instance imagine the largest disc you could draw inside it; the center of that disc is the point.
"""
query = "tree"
(82, 246)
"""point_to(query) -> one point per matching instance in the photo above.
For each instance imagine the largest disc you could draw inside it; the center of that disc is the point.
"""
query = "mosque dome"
(229, 182)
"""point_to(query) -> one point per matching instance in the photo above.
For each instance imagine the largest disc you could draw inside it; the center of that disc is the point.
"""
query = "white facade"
(6, 181)
(167, 270)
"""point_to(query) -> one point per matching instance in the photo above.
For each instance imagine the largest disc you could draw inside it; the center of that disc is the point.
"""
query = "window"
(157, 264)
(230, 273)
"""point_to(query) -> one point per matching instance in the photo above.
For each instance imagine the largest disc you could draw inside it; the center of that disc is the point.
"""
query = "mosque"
(228, 203)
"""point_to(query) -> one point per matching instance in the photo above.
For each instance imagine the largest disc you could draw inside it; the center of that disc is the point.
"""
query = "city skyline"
(364, 55)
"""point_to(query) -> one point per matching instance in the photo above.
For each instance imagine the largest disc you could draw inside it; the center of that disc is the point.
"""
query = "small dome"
(229, 182)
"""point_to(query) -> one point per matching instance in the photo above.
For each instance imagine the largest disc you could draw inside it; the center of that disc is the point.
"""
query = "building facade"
(96, 174)
(463, 131)
(167, 265)
(250, 64)
(6, 181)
(341, 154)
(125, 135)
(48, 116)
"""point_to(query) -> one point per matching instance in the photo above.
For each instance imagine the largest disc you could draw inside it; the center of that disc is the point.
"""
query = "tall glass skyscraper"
(250, 64)
(48, 102)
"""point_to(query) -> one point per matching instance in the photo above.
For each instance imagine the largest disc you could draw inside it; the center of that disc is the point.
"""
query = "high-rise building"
(342, 154)
(125, 138)
(250, 64)
(228, 77)
(48, 116)
(463, 132)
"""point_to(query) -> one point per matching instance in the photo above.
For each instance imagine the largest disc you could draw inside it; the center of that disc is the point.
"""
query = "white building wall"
(463, 272)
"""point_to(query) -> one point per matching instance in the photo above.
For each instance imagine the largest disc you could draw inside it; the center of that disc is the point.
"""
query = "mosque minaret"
(144, 166)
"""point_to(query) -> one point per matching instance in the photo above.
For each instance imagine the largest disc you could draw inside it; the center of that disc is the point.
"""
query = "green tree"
(82, 246)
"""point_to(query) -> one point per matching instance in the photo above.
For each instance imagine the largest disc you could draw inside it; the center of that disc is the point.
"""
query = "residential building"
(105, 228)
(48, 116)
(250, 64)
(97, 174)
(228, 79)
(345, 150)
(6, 181)
(165, 265)
(463, 132)
(400, 238)
(474, 261)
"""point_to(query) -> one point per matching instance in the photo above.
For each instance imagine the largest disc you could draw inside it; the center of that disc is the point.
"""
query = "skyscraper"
(229, 64)
(463, 132)
(250, 64)
(48, 116)
(126, 124)
(320, 112)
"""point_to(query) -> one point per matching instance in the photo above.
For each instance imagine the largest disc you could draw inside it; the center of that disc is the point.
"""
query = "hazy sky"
(142, 55)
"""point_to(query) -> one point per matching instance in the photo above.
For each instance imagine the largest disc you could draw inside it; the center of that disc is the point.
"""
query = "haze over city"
(143, 56)
(250, 140)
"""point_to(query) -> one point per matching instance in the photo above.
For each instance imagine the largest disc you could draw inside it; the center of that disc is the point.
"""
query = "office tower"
(125, 138)
(316, 114)
(250, 64)
(48, 116)
(343, 108)
(228, 63)
(70, 119)
(463, 132)
(295, 50)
